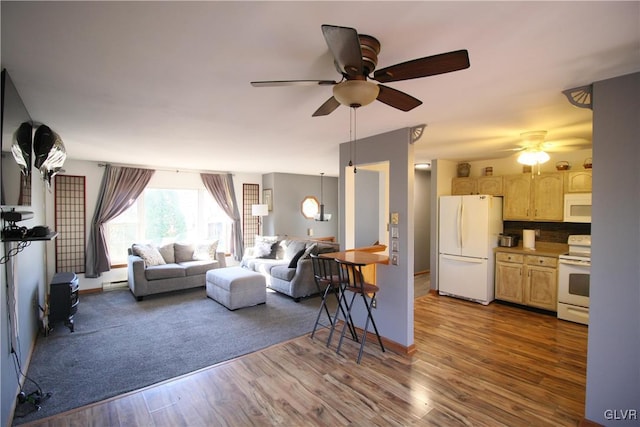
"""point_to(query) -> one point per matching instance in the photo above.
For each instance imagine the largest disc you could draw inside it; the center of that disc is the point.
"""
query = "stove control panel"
(579, 240)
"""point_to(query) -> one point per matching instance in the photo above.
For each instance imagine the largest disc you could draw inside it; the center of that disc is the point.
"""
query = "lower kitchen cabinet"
(527, 279)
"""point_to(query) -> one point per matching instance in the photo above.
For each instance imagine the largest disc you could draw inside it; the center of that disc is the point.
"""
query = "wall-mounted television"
(16, 123)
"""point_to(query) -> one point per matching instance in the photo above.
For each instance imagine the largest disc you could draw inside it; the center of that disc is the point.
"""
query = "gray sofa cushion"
(149, 254)
(183, 252)
(198, 267)
(283, 272)
(164, 271)
(325, 247)
(167, 253)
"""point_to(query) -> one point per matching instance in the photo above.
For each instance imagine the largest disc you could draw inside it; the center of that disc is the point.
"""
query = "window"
(161, 216)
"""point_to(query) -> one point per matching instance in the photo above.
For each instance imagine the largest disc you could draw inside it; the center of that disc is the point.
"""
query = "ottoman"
(236, 287)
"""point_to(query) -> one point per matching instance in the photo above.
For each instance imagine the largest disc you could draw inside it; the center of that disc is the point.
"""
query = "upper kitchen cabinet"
(578, 181)
(537, 198)
(491, 185)
(464, 186)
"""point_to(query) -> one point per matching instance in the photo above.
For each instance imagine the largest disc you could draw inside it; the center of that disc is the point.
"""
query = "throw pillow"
(206, 251)
(167, 253)
(294, 261)
(184, 252)
(149, 254)
(292, 247)
(267, 250)
(262, 249)
(311, 249)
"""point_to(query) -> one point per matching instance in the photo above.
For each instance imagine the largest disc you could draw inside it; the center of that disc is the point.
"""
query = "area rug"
(120, 345)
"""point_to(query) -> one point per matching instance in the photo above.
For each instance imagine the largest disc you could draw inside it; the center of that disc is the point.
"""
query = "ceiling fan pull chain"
(350, 138)
(355, 138)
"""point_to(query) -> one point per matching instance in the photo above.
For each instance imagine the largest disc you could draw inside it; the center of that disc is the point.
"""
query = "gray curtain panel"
(221, 189)
(120, 187)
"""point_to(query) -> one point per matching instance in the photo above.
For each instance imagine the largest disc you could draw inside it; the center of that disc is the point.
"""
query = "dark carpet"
(120, 345)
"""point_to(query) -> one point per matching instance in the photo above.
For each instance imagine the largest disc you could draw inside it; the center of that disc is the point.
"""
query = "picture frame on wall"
(267, 198)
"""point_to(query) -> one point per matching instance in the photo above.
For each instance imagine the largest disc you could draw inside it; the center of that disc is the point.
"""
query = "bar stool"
(353, 281)
(327, 279)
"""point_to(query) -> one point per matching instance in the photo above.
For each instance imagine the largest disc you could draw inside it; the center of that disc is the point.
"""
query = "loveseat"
(285, 263)
(174, 266)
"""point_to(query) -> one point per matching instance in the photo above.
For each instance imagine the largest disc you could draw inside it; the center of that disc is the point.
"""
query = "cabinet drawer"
(544, 261)
(509, 257)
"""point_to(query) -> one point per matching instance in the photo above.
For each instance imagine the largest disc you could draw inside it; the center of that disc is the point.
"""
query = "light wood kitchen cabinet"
(527, 279)
(463, 186)
(509, 270)
(491, 185)
(578, 181)
(537, 198)
(540, 282)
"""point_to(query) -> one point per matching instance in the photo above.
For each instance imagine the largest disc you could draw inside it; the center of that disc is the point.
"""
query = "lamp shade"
(259, 210)
(356, 93)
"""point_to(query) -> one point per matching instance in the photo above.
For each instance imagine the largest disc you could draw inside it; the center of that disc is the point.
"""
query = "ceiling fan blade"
(423, 67)
(271, 83)
(397, 99)
(327, 108)
(344, 45)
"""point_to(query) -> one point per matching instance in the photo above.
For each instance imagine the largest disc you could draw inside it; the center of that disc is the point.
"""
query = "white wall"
(27, 271)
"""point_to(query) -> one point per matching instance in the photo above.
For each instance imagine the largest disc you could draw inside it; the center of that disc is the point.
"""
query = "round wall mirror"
(310, 207)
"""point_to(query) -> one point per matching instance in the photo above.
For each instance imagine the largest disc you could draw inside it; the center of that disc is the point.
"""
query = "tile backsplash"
(555, 232)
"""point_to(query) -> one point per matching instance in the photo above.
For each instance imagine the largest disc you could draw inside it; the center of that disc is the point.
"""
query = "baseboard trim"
(388, 344)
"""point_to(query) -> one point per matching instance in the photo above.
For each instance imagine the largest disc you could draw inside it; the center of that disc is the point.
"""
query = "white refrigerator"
(468, 231)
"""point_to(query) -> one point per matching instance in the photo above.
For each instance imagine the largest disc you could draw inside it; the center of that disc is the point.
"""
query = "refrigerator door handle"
(463, 259)
(460, 208)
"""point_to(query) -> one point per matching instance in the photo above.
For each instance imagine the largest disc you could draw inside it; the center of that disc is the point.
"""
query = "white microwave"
(577, 207)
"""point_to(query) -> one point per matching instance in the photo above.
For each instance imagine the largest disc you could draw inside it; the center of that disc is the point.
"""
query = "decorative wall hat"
(49, 151)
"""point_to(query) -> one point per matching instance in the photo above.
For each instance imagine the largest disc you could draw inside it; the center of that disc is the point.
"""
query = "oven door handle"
(578, 263)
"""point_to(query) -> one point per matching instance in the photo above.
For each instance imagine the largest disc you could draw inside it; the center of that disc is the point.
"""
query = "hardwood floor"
(475, 365)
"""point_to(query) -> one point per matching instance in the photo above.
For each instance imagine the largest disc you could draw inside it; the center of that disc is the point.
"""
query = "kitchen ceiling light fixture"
(422, 166)
(533, 154)
(321, 216)
(533, 157)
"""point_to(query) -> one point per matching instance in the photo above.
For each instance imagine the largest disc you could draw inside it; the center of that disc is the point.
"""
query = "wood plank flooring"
(475, 365)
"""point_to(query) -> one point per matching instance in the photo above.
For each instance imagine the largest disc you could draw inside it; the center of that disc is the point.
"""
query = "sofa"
(285, 263)
(174, 266)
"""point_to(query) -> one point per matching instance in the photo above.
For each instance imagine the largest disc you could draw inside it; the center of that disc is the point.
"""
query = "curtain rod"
(162, 169)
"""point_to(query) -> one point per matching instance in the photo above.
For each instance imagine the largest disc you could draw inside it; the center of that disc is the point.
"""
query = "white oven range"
(574, 271)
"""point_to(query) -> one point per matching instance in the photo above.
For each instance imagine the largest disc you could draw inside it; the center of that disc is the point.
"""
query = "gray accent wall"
(288, 192)
(394, 312)
(422, 200)
(367, 205)
(613, 360)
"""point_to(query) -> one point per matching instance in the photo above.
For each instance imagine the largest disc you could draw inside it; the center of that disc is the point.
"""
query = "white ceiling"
(167, 84)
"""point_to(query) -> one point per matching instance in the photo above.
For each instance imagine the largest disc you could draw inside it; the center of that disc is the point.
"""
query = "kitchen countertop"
(542, 249)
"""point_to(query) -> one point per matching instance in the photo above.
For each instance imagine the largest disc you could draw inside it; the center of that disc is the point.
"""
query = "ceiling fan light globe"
(356, 93)
(533, 157)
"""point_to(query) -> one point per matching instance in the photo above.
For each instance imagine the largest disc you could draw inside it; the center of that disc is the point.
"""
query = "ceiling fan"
(536, 140)
(355, 58)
